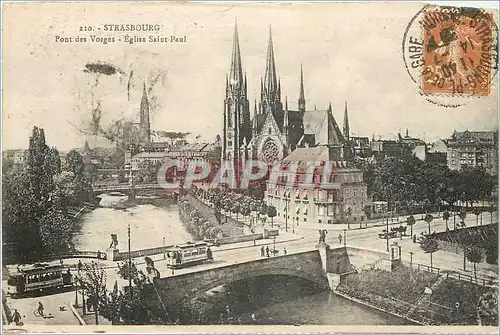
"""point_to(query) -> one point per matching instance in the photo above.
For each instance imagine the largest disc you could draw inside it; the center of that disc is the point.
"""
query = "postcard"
(249, 167)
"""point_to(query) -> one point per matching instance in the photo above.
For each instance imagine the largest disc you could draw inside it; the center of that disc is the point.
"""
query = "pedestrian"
(41, 309)
(267, 251)
(284, 250)
(340, 238)
(262, 251)
(61, 260)
(414, 238)
(80, 265)
(98, 254)
(16, 318)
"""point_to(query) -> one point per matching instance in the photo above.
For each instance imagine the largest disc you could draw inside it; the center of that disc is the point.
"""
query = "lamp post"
(274, 245)
(286, 214)
(387, 229)
(411, 259)
(129, 265)
(76, 291)
(345, 237)
(164, 256)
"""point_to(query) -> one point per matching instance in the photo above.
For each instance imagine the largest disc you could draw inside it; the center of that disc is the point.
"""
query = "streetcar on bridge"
(39, 277)
(188, 254)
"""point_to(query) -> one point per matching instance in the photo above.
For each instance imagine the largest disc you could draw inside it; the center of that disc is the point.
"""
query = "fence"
(451, 274)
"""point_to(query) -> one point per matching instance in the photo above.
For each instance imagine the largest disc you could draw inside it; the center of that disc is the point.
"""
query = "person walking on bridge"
(267, 251)
(340, 238)
(262, 251)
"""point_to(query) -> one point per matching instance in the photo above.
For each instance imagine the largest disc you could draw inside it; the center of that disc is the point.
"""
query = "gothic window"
(270, 151)
(269, 131)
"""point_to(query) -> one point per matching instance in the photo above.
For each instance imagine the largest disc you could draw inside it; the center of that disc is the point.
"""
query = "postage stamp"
(257, 167)
(451, 52)
(457, 51)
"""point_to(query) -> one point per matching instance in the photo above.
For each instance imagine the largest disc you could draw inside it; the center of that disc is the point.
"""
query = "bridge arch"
(319, 281)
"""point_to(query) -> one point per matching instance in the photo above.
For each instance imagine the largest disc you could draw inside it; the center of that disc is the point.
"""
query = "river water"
(281, 301)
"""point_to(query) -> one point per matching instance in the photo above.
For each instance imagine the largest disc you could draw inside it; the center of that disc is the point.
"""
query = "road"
(304, 239)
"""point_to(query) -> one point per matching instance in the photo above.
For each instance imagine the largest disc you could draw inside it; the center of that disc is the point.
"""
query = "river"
(268, 300)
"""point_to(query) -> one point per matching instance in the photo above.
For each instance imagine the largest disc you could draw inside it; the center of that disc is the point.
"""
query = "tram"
(188, 254)
(36, 277)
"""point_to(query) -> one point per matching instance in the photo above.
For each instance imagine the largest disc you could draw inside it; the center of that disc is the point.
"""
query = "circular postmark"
(451, 53)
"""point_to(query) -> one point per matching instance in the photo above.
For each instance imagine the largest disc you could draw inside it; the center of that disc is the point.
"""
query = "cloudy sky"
(349, 53)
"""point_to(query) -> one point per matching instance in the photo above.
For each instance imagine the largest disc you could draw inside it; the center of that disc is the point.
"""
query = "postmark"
(451, 53)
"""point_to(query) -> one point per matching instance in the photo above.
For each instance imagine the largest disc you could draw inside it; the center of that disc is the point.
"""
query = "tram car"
(37, 277)
(188, 254)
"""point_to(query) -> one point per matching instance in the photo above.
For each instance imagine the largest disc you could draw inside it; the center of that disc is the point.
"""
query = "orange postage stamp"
(458, 56)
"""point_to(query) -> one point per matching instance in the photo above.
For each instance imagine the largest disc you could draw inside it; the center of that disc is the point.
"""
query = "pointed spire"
(236, 72)
(330, 107)
(286, 103)
(255, 124)
(245, 83)
(302, 98)
(145, 129)
(346, 123)
(270, 80)
(314, 106)
(406, 132)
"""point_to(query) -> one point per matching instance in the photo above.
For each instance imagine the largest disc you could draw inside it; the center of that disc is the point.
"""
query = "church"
(275, 130)
(277, 133)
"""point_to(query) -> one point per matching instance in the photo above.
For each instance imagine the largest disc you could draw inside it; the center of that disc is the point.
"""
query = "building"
(385, 148)
(473, 149)
(184, 154)
(275, 129)
(360, 146)
(409, 142)
(315, 203)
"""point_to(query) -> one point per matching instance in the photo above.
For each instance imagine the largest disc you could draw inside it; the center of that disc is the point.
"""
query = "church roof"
(322, 124)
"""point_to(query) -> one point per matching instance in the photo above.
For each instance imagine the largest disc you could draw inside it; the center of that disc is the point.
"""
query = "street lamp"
(286, 213)
(274, 245)
(129, 265)
(387, 229)
(164, 256)
(345, 237)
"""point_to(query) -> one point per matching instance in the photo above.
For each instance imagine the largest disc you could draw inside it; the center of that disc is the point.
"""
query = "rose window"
(270, 152)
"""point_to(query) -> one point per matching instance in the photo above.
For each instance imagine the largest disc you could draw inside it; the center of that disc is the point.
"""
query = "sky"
(349, 52)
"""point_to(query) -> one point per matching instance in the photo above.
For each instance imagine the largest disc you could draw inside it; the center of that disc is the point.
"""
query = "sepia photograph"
(249, 164)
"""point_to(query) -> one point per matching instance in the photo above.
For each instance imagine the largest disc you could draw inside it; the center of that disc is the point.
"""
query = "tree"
(463, 215)
(477, 212)
(465, 240)
(474, 255)
(429, 246)
(348, 213)
(92, 280)
(428, 218)
(491, 209)
(446, 217)
(271, 212)
(410, 221)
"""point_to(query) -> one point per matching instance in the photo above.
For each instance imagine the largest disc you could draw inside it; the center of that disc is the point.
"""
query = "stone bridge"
(306, 265)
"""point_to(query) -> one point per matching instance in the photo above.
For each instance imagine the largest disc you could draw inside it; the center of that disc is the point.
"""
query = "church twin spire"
(236, 78)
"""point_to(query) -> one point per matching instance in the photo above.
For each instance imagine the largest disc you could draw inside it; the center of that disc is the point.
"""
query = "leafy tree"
(271, 212)
(428, 218)
(410, 221)
(348, 213)
(446, 217)
(491, 209)
(477, 212)
(463, 215)
(429, 246)
(474, 255)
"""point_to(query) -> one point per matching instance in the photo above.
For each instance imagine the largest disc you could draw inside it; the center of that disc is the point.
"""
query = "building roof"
(474, 136)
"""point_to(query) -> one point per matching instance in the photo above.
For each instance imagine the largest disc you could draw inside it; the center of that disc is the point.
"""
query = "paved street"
(305, 238)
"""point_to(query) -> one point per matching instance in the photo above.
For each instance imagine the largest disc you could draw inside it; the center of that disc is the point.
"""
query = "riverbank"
(417, 296)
